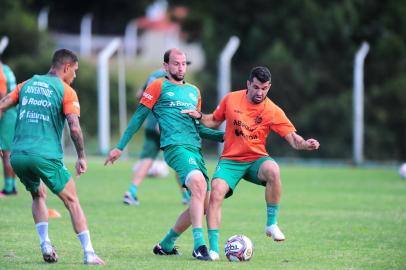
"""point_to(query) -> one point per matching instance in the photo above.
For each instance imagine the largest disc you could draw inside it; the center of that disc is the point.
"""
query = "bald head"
(171, 52)
(175, 64)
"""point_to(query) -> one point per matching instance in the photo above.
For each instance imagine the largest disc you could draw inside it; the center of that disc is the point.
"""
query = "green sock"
(9, 184)
(133, 190)
(214, 240)
(169, 240)
(272, 214)
(198, 237)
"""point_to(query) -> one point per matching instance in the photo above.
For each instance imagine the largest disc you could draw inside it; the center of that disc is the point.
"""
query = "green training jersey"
(43, 101)
(166, 99)
(151, 122)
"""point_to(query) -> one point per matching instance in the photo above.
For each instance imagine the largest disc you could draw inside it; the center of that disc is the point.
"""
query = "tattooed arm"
(77, 138)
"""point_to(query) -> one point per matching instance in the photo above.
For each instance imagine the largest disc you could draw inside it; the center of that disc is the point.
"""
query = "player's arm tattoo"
(76, 134)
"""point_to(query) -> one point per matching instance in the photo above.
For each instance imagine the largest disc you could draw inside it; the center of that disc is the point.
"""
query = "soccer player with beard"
(250, 116)
(181, 143)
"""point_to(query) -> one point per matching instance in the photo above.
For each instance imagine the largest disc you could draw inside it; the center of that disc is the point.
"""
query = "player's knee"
(40, 194)
(70, 201)
(216, 196)
(218, 191)
(270, 174)
(198, 188)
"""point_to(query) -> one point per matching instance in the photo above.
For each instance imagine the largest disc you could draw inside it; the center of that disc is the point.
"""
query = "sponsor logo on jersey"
(179, 103)
(240, 123)
(192, 96)
(239, 132)
(35, 117)
(38, 89)
(36, 102)
(24, 101)
(171, 94)
(21, 114)
(147, 96)
(192, 161)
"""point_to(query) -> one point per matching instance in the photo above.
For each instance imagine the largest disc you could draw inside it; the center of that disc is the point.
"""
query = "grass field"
(333, 218)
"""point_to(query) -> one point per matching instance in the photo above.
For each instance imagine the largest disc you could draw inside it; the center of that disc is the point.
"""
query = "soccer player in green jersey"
(150, 150)
(7, 124)
(181, 143)
(44, 103)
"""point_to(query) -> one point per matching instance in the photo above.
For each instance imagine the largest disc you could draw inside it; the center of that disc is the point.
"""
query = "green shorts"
(31, 169)
(7, 127)
(150, 149)
(233, 171)
(184, 159)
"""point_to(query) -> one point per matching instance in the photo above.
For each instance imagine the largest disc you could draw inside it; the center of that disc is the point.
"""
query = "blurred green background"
(309, 47)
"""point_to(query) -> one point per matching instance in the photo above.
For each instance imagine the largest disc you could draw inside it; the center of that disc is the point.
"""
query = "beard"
(176, 77)
(257, 100)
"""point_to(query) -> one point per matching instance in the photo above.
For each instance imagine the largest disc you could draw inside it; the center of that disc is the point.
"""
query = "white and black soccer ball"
(402, 171)
(238, 248)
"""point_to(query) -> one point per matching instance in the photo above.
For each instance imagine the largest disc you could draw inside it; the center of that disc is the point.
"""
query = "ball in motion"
(402, 171)
(238, 248)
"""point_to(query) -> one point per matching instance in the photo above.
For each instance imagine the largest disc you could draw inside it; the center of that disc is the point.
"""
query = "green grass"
(333, 218)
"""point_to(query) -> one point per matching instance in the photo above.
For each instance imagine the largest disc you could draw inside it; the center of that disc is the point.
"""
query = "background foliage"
(308, 46)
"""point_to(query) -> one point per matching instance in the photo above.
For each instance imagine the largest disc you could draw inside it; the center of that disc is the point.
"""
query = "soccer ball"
(402, 171)
(238, 248)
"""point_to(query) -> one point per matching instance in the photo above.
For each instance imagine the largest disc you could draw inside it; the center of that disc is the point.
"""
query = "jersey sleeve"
(199, 101)
(152, 93)
(70, 103)
(219, 113)
(281, 124)
(14, 95)
(3, 82)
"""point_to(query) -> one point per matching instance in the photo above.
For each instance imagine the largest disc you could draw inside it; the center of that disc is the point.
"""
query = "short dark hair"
(62, 57)
(261, 73)
(166, 56)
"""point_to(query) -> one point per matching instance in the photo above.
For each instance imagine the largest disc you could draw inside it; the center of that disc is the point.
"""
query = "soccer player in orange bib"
(250, 116)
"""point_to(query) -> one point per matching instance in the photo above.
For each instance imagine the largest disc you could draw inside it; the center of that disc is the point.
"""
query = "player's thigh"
(231, 172)
(23, 167)
(259, 169)
(54, 174)
(185, 160)
(150, 148)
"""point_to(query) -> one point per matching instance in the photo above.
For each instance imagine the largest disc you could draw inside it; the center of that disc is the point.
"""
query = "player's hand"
(312, 144)
(81, 166)
(113, 156)
(192, 113)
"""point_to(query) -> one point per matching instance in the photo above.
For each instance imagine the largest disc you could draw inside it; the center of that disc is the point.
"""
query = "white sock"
(42, 230)
(84, 238)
